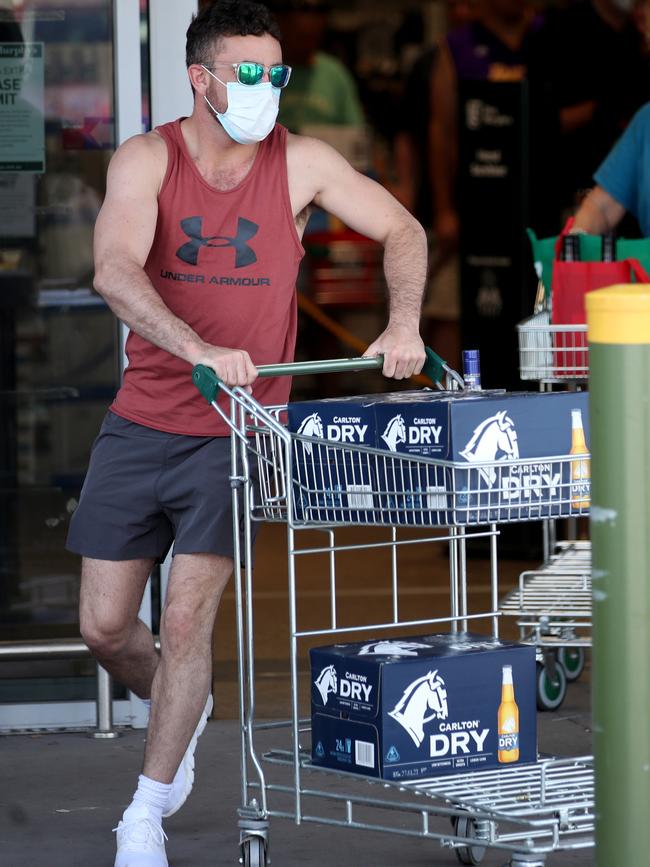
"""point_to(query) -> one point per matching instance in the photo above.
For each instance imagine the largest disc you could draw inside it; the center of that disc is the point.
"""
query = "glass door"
(60, 354)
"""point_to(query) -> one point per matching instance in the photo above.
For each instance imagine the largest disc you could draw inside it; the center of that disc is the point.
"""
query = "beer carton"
(331, 485)
(404, 709)
(477, 457)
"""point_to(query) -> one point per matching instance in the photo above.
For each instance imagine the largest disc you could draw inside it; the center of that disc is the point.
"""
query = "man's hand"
(232, 366)
(403, 351)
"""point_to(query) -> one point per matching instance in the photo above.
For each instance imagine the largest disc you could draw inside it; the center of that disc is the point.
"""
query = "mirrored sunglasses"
(249, 72)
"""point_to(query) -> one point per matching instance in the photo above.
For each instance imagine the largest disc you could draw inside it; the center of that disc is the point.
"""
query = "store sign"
(22, 123)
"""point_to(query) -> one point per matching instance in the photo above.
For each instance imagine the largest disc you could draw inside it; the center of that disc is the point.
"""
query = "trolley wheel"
(551, 687)
(572, 660)
(253, 852)
(464, 826)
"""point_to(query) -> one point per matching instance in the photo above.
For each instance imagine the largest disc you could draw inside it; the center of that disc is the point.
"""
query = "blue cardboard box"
(404, 709)
(519, 432)
(342, 491)
(331, 485)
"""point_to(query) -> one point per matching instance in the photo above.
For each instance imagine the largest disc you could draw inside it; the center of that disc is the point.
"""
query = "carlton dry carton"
(327, 482)
(404, 709)
(480, 457)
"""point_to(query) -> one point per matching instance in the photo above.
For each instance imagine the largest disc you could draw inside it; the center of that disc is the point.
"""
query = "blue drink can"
(472, 369)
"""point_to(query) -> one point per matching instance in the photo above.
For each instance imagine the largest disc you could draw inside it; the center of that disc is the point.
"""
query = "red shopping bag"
(571, 282)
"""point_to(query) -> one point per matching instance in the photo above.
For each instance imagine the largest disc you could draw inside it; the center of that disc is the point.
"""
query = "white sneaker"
(140, 839)
(184, 779)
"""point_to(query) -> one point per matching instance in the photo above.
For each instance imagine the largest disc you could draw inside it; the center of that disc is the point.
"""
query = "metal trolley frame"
(527, 811)
(551, 354)
(552, 604)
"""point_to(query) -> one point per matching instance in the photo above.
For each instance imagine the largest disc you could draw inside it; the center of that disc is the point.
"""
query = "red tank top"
(226, 264)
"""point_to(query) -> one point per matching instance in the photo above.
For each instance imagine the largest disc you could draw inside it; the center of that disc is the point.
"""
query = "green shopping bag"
(590, 251)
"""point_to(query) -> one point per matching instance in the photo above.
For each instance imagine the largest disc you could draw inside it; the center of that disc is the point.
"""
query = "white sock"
(153, 794)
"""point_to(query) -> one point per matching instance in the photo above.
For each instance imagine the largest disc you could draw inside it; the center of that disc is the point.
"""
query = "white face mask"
(252, 110)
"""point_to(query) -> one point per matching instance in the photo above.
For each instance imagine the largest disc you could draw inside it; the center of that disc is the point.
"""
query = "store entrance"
(59, 344)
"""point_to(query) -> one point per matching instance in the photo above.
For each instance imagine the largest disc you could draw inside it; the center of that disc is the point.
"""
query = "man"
(197, 248)
(622, 182)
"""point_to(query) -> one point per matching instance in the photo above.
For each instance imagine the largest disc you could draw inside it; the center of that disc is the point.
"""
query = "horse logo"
(327, 682)
(426, 693)
(395, 433)
(495, 439)
(392, 648)
(311, 426)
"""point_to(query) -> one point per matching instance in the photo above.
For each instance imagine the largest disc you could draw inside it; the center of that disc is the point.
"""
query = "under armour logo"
(193, 228)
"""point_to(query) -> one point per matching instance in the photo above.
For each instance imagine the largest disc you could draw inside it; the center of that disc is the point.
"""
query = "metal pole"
(104, 706)
(619, 353)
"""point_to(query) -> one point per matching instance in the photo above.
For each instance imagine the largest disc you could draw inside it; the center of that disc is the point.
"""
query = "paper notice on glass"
(17, 205)
(22, 123)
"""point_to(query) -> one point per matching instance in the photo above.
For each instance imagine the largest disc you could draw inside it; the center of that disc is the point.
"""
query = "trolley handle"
(208, 383)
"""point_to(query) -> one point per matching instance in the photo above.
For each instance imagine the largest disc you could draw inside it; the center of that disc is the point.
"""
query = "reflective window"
(59, 364)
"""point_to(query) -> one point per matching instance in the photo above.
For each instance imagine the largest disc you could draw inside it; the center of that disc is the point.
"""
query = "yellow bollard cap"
(619, 314)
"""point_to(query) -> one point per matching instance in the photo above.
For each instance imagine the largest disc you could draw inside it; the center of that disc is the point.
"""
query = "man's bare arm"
(324, 177)
(599, 213)
(124, 233)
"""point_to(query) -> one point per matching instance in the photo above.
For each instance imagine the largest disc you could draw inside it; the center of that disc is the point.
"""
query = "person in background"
(414, 188)
(597, 66)
(323, 92)
(197, 248)
(622, 183)
(494, 47)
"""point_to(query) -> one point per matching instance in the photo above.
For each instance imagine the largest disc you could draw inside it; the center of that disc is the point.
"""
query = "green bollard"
(619, 359)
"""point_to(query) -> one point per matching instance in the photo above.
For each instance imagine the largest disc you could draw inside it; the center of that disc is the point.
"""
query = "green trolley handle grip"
(208, 383)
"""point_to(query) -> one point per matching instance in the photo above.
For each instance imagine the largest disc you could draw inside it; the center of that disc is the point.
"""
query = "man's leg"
(111, 593)
(182, 680)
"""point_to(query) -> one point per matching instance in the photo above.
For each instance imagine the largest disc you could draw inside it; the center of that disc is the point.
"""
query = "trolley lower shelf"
(527, 810)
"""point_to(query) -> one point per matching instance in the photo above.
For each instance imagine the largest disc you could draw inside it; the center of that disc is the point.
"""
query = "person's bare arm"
(444, 150)
(319, 174)
(124, 233)
(599, 213)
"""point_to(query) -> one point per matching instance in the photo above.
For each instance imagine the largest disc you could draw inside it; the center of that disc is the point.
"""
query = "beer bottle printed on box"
(508, 720)
(580, 465)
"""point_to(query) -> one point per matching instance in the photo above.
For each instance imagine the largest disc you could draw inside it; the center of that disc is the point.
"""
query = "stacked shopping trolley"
(552, 604)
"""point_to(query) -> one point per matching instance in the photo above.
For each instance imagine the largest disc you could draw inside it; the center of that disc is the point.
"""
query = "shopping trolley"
(527, 811)
(551, 354)
(552, 604)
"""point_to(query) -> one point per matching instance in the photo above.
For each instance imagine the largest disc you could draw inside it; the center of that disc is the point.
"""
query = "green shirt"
(324, 92)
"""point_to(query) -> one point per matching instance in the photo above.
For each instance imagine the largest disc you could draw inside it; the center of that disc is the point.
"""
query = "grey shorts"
(146, 489)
